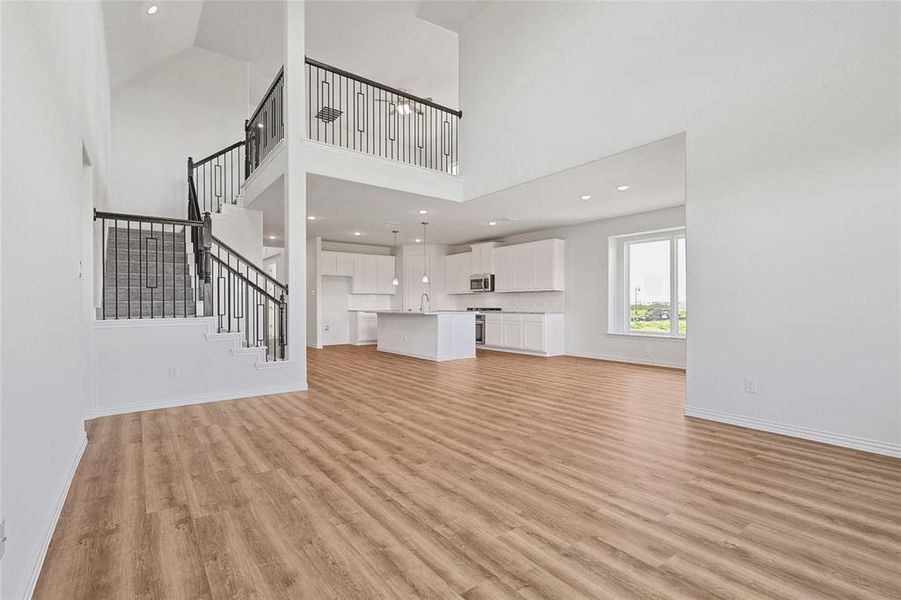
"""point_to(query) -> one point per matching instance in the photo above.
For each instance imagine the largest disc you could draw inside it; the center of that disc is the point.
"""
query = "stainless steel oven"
(480, 329)
(483, 282)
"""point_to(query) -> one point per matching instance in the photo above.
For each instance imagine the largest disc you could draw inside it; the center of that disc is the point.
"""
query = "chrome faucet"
(424, 296)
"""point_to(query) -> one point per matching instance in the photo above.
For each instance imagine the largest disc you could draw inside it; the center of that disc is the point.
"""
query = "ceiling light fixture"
(358, 233)
(492, 223)
(585, 197)
(259, 125)
(272, 237)
(425, 273)
(423, 211)
(153, 9)
(417, 240)
(394, 281)
(311, 218)
(622, 188)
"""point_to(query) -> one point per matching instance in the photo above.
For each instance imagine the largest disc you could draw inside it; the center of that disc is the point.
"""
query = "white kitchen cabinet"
(482, 256)
(328, 263)
(363, 328)
(372, 274)
(365, 276)
(503, 269)
(456, 272)
(344, 264)
(533, 333)
(530, 267)
(385, 274)
(512, 331)
(494, 330)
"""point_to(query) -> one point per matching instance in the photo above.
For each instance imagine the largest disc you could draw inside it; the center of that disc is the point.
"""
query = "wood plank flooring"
(503, 477)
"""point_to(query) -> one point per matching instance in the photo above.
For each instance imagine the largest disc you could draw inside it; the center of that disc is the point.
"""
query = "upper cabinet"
(371, 273)
(337, 263)
(482, 258)
(531, 267)
(457, 269)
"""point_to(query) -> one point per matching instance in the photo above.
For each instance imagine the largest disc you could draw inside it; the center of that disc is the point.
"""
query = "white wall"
(242, 229)
(193, 104)
(386, 42)
(791, 113)
(55, 103)
(137, 356)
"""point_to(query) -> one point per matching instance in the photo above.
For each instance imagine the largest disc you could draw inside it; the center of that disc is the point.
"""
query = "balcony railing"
(356, 113)
(266, 126)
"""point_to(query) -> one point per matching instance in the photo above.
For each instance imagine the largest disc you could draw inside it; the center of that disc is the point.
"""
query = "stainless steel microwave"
(481, 283)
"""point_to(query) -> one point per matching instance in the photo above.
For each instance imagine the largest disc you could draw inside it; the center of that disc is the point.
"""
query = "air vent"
(327, 114)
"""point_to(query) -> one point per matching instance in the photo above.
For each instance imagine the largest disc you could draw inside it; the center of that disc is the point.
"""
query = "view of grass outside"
(651, 281)
(655, 318)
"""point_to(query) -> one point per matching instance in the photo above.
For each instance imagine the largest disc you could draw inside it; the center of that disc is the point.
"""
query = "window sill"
(653, 336)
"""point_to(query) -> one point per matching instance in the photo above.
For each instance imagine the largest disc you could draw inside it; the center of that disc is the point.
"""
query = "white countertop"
(428, 313)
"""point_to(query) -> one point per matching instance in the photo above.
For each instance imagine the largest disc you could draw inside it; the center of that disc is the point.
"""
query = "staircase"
(149, 272)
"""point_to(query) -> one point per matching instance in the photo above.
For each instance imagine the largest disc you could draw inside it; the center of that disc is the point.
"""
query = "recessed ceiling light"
(153, 9)
(622, 188)
(492, 223)
(358, 233)
(423, 211)
(311, 218)
(272, 237)
(585, 197)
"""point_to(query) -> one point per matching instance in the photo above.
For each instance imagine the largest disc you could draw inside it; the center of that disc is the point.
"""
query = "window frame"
(623, 327)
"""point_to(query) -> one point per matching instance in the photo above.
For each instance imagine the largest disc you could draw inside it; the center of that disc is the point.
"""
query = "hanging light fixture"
(394, 281)
(425, 274)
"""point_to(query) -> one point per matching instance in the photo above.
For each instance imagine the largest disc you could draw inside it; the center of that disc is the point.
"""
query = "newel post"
(207, 239)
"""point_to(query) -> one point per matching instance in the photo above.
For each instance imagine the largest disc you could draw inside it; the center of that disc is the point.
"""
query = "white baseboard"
(630, 361)
(194, 399)
(806, 433)
(26, 588)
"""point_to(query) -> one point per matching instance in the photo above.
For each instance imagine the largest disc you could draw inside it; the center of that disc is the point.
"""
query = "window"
(652, 285)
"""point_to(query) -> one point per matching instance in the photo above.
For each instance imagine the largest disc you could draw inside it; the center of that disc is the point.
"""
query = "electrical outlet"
(174, 372)
(2, 537)
(750, 385)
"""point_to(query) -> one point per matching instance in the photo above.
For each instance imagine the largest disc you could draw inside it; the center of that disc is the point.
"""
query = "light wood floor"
(502, 477)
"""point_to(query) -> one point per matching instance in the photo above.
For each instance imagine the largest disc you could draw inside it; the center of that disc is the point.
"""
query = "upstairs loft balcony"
(358, 114)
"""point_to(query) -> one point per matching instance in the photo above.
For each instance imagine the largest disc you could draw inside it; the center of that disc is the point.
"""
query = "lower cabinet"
(363, 327)
(494, 330)
(525, 332)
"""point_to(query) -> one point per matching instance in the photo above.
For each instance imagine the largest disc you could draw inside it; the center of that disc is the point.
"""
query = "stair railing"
(353, 112)
(217, 178)
(249, 301)
(266, 126)
(145, 266)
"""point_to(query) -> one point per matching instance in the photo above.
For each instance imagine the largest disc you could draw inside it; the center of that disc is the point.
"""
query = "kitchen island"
(437, 336)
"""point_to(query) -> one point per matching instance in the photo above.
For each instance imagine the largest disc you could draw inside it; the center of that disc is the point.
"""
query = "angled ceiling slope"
(450, 14)
(251, 31)
(136, 41)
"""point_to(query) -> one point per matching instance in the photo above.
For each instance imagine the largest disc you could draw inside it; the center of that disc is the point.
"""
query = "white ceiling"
(450, 14)
(655, 172)
(252, 31)
(135, 41)
(247, 30)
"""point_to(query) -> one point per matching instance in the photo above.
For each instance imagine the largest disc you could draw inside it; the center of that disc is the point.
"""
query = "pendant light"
(425, 275)
(394, 281)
